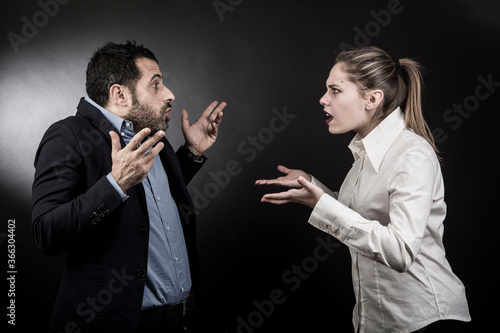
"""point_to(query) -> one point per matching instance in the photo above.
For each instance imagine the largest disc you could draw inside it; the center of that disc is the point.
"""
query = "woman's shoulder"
(408, 144)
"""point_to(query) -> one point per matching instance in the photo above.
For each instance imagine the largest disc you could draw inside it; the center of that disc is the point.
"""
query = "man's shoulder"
(73, 129)
(71, 123)
(84, 116)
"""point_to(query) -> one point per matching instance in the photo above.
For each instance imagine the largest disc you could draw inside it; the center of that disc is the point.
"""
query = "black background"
(260, 56)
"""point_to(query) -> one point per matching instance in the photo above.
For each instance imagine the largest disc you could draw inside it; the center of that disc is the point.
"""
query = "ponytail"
(414, 118)
(400, 80)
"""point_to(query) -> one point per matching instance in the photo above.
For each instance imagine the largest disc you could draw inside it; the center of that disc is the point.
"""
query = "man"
(116, 206)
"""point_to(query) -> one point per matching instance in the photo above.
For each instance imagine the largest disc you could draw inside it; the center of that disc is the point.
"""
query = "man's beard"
(143, 116)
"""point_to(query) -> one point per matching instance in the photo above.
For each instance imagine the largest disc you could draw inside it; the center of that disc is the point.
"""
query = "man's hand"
(202, 134)
(132, 163)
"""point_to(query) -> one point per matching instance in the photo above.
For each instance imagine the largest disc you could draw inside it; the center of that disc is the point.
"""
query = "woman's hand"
(302, 191)
(290, 180)
(308, 195)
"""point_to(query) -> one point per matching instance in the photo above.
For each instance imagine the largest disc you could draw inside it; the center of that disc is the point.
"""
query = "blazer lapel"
(98, 120)
(102, 124)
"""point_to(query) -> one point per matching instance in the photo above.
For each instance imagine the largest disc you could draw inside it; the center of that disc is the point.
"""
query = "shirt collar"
(378, 141)
(124, 127)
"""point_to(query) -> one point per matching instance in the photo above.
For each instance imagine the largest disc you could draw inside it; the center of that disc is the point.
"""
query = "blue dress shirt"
(168, 279)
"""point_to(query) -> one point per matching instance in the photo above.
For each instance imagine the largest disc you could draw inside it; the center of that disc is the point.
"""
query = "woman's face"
(344, 106)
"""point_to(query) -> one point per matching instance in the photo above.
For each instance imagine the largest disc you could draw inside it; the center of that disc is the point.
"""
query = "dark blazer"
(103, 241)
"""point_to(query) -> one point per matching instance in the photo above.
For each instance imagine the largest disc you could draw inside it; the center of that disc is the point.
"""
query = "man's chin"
(162, 127)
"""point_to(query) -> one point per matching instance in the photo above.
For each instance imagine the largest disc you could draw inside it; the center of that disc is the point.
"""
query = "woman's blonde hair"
(400, 80)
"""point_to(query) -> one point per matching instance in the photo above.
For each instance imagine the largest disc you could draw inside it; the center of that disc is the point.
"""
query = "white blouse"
(390, 212)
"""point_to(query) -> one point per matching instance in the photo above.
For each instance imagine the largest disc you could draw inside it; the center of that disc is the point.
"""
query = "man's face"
(151, 99)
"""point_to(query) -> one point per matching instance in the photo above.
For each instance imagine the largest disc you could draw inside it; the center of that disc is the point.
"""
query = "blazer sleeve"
(189, 167)
(64, 206)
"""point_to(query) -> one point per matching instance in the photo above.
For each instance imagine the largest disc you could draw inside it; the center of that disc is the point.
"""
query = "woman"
(390, 208)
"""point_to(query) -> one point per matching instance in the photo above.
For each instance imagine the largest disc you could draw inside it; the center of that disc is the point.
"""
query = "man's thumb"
(115, 142)
(184, 119)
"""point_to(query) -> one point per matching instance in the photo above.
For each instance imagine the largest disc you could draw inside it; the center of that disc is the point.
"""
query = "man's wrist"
(191, 153)
(117, 187)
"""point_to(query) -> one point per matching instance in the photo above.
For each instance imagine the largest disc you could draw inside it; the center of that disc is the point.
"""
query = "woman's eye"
(335, 91)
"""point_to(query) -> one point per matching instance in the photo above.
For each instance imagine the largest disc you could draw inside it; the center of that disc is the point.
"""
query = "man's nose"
(169, 95)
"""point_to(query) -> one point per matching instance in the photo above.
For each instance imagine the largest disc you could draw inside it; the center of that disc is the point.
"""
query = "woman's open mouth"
(329, 117)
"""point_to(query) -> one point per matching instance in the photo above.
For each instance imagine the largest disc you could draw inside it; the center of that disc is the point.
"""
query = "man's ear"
(120, 95)
(373, 99)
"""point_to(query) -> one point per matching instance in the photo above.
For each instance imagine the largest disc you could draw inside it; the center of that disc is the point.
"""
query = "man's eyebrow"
(155, 76)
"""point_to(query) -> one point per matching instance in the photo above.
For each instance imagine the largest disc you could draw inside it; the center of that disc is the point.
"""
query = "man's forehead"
(147, 67)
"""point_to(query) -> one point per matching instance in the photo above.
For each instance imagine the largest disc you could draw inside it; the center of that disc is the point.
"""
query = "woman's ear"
(374, 98)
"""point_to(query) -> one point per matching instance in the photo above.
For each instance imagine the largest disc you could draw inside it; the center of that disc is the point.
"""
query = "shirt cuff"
(113, 183)
(334, 218)
(191, 155)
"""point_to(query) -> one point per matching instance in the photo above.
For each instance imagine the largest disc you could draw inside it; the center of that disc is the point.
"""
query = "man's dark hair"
(114, 64)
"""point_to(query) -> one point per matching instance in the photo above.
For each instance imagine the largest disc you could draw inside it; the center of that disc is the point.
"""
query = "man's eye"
(156, 85)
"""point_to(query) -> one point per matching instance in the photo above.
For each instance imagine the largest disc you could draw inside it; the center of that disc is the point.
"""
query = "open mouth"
(166, 111)
(166, 114)
(329, 117)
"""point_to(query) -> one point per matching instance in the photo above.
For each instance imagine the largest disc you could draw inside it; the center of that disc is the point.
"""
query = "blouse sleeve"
(325, 189)
(411, 187)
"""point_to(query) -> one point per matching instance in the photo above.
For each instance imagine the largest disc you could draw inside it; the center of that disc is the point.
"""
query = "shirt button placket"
(361, 164)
